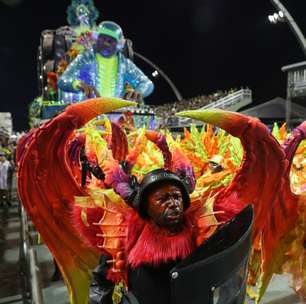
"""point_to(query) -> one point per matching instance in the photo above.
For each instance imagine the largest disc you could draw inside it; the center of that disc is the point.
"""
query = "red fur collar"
(149, 244)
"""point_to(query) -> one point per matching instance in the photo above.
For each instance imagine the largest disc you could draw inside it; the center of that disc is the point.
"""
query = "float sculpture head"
(110, 39)
(82, 12)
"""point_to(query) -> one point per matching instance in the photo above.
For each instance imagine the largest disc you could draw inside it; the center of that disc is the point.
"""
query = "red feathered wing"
(262, 180)
(47, 187)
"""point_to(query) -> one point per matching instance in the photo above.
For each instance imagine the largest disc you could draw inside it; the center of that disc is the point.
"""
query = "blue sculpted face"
(106, 46)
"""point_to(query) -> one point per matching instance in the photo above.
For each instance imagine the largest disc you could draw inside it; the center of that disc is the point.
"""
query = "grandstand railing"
(296, 82)
(231, 102)
(300, 85)
(235, 100)
(28, 260)
(299, 89)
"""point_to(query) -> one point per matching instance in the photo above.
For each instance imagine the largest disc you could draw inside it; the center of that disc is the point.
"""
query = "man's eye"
(160, 200)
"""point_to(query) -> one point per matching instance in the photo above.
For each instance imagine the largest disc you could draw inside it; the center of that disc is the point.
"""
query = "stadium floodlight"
(155, 74)
(285, 16)
(277, 17)
(271, 19)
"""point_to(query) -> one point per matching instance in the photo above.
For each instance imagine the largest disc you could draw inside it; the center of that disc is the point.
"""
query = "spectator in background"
(11, 170)
(4, 171)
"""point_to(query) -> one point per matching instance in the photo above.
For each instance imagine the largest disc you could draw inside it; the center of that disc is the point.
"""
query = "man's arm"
(138, 80)
(70, 80)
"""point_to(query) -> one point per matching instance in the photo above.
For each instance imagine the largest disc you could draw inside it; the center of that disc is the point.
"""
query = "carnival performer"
(161, 237)
(102, 70)
(164, 249)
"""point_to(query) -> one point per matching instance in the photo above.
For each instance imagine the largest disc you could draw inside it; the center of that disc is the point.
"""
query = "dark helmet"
(151, 180)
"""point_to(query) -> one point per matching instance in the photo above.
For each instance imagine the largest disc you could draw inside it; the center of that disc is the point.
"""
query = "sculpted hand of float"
(47, 184)
(263, 180)
(87, 89)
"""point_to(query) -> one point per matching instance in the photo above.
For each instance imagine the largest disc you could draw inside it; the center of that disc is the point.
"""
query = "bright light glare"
(276, 17)
(155, 74)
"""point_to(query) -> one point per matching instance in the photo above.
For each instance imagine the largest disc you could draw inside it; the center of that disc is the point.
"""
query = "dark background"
(203, 45)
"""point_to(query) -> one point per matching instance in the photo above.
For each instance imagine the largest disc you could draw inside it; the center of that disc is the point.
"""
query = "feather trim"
(149, 244)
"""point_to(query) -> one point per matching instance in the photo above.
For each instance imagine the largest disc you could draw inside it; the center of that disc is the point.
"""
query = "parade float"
(60, 47)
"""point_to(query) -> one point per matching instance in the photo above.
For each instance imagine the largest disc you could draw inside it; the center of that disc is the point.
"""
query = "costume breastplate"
(107, 70)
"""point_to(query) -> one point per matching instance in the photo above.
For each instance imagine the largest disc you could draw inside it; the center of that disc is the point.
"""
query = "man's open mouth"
(174, 216)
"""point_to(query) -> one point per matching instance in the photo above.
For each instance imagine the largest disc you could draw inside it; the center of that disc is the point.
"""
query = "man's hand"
(101, 290)
(88, 90)
(100, 272)
(132, 95)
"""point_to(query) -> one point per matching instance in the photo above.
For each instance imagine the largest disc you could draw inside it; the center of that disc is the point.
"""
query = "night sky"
(203, 45)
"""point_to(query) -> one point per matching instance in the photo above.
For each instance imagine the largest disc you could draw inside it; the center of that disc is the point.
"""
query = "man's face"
(2, 158)
(106, 46)
(165, 206)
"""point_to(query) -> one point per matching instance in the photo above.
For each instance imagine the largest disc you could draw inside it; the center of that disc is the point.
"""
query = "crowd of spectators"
(168, 110)
(190, 103)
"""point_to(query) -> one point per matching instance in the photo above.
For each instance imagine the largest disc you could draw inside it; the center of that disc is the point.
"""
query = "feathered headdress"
(118, 172)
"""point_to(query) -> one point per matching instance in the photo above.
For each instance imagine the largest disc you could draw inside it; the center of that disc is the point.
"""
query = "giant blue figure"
(103, 70)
